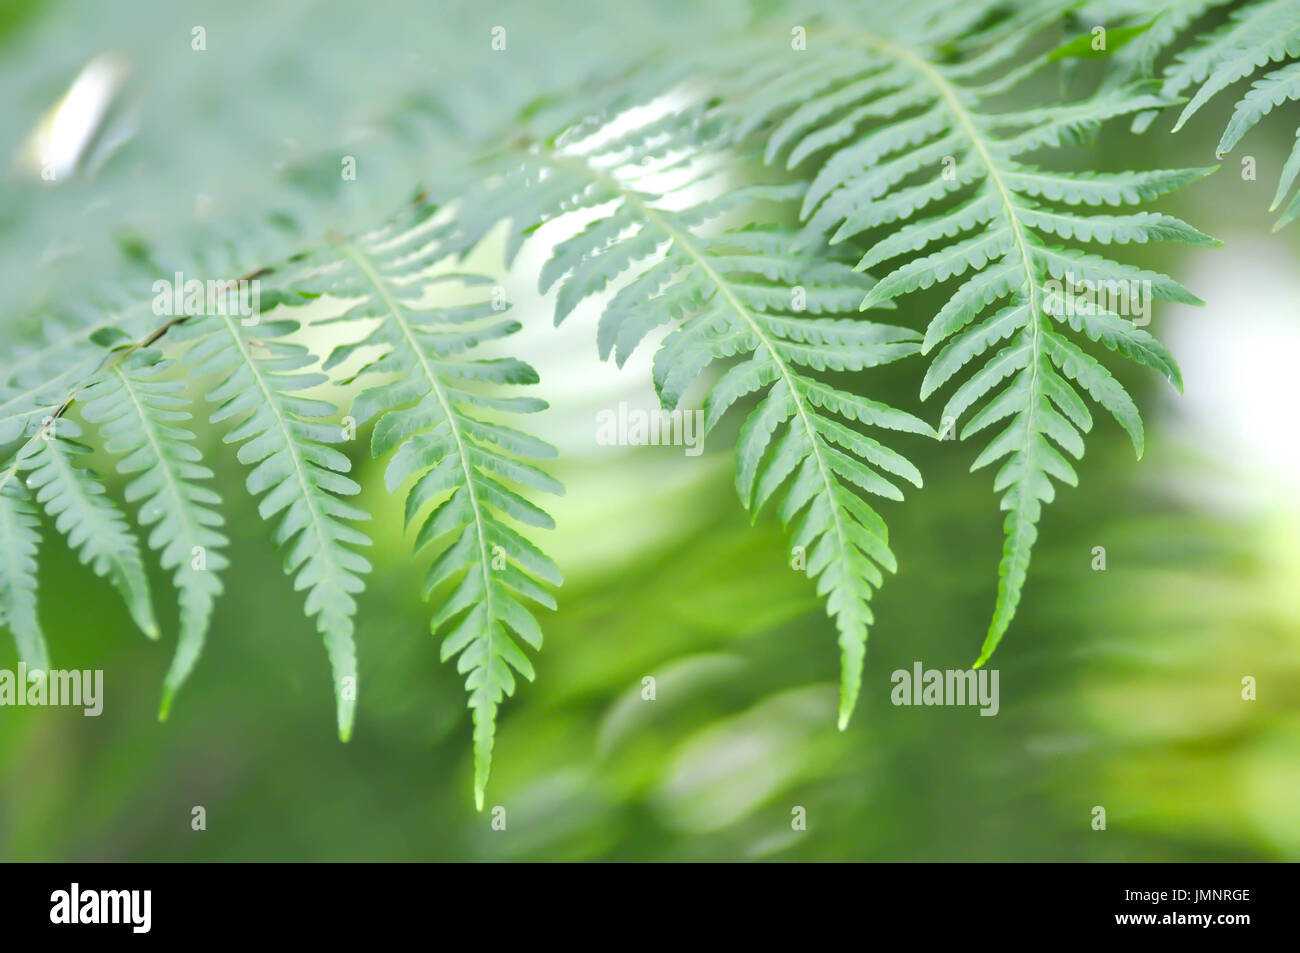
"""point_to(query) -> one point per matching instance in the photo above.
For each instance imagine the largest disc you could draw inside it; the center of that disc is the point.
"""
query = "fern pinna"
(52, 469)
(21, 534)
(442, 427)
(739, 293)
(1257, 39)
(1255, 36)
(301, 480)
(908, 154)
(141, 412)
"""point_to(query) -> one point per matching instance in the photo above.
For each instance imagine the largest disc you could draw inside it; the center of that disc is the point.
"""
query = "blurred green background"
(1119, 688)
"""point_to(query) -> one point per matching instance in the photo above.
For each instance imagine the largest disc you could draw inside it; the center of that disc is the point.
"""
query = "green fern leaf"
(1160, 27)
(139, 413)
(436, 414)
(993, 228)
(82, 511)
(747, 296)
(795, 448)
(20, 538)
(297, 474)
(1255, 36)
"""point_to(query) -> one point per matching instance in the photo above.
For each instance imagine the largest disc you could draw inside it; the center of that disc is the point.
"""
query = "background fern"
(1251, 41)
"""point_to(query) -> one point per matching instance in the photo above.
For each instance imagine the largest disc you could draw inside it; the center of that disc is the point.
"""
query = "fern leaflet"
(433, 413)
(1256, 36)
(298, 475)
(21, 535)
(82, 511)
(139, 412)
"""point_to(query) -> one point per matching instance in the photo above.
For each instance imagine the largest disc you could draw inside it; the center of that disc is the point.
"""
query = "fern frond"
(742, 293)
(435, 412)
(95, 528)
(298, 476)
(140, 412)
(1256, 36)
(20, 538)
(797, 448)
(950, 182)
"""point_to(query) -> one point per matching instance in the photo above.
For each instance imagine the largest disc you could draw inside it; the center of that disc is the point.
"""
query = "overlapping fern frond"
(434, 414)
(910, 157)
(732, 293)
(1259, 38)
